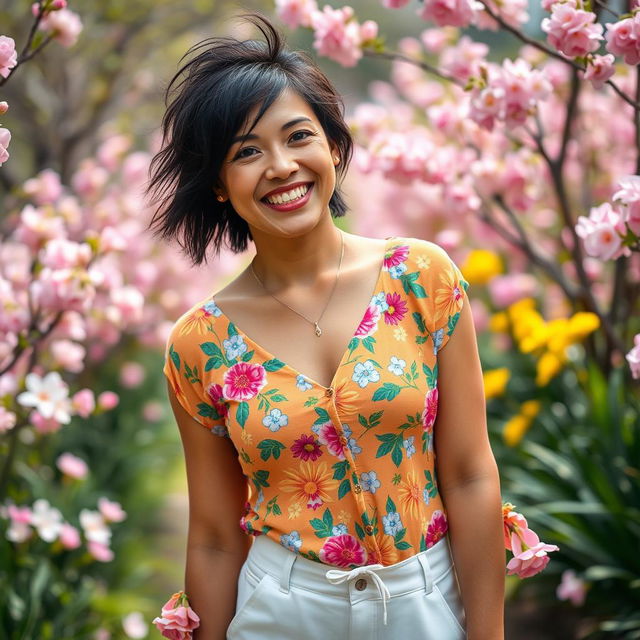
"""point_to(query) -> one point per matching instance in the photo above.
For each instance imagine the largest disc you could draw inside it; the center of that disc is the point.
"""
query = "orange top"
(344, 474)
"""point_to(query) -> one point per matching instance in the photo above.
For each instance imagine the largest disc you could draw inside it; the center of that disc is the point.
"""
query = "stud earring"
(336, 159)
(221, 198)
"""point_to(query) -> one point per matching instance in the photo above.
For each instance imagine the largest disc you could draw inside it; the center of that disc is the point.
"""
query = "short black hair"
(208, 101)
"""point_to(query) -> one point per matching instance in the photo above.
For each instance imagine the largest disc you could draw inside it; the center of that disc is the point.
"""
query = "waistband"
(411, 574)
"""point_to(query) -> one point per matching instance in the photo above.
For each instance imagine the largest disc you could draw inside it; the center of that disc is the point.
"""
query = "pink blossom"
(601, 232)
(600, 69)
(129, 302)
(152, 411)
(216, 395)
(455, 13)
(177, 620)
(343, 551)
(296, 13)
(504, 290)
(514, 13)
(435, 40)
(430, 410)
(572, 31)
(463, 60)
(45, 188)
(529, 554)
(633, 357)
(394, 4)
(59, 253)
(63, 290)
(111, 511)
(111, 239)
(111, 152)
(89, 180)
(65, 25)
(94, 526)
(369, 323)
(396, 309)
(48, 395)
(337, 35)
(19, 529)
(5, 139)
(4, 107)
(243, 381)
(629, 195)
(572, 588)
(68, 355)
(108, 400)
(69, 536)
(134, 625)
(8, 55)
(101, 552)
(329, 436)
(36, 226)
(437, 528)
(623, 39)
(7, 420)
(72, 466)
(132, 375)
(83, 402)
(44, 425)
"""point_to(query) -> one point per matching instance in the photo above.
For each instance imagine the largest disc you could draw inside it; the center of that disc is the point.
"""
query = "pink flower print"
(307, 448)
(243, 381)
(437, 528)
(430, 409)
(369, 323)
(396, 310)
(343, 551)
(329, 437)
(215, 393)
(395, 256)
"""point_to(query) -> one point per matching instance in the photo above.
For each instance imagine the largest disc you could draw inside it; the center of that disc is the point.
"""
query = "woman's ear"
(335, 154)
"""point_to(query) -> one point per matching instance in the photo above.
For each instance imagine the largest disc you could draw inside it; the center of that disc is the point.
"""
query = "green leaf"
(423, 543)
(359, 531)
(278, 397)
(323, 416)
(213, 363)
(396, 454)
(260, 478)
(242, 413)
(323, 528)
(402, 545)
(173, 354)
(344, 488)
(391, 507)
(211, 349)
(269, 448)
(384, 449)
(273, 365)
(340, 469)
(369, 343)
(388, 391)
(247, 356)
(419, 320)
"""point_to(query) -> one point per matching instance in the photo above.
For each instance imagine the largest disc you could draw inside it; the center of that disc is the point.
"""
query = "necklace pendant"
(318, 330)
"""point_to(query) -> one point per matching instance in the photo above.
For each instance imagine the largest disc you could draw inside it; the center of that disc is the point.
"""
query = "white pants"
(284, 596)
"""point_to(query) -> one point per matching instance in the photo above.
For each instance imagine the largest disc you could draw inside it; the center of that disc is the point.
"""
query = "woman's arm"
(468, 480)
(216, 546)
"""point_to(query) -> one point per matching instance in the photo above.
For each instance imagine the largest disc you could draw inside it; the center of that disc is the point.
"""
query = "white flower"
(396, 366)
(135, 626)
(48, 395)
(46, 519)
(94, 527)
(18, 531)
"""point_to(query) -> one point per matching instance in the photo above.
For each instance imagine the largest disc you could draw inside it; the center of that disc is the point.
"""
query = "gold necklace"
(318, 330)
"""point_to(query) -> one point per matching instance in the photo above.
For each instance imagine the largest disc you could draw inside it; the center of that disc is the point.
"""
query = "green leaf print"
(242, 413)
(260, 478)
(191, 374)
(452, 322)
(411, 286)
(396, 454)
(399, 542)
(414, 370)
(391, 443)
(247, 356)
(340, 469)
(245, 456)
(369, 343)
(311, 401)
(388, 391)
(213, 363)
(175, 358)
(272, 505)
(273, 365)
(432, 375)
(279, 397)
(353, 344)
(344, 488)
(231, 330)
(324, 527)
(211, 349)
(423, 543)
(311, 555)
(421, 339)
(359, 531)
(396, 478)
(374, 419)
(391, 507)
(419, 320)
(208, 411)
(431, 486)
(323, 416)
(270, 448)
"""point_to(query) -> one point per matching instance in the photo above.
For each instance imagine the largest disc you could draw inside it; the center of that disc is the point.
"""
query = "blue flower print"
(234, 347)
(392, 523)
(302, 383)
(409, 446)
(364, 373)
(437, 337)
(380, 299)
(291, 541)
(351, 442)
(369, 481)
(398, 270)
(339, 530)
(220, 430)
(425, 496)
(396, 366)
(275, 419)
(259, 499)
(212, 308)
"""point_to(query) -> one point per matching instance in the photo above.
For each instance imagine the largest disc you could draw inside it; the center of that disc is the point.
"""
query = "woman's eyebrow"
(287, 125)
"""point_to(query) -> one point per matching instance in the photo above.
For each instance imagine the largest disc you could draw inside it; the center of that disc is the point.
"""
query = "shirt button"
(329, 392)
(361, 584)
(357, 488)
(369, 529)
(343, 441)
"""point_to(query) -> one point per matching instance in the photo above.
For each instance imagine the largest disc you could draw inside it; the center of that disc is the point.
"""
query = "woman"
(325, 444)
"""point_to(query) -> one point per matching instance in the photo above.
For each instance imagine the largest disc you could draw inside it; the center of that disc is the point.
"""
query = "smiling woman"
(320, 372)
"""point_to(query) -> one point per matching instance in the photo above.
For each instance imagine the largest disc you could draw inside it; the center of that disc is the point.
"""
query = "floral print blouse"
(342, 475)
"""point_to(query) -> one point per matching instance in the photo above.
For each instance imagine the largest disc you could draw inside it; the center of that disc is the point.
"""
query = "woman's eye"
(241, 154)
(303, 133)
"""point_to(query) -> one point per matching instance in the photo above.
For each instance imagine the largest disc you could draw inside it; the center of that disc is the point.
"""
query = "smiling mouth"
(287, 197)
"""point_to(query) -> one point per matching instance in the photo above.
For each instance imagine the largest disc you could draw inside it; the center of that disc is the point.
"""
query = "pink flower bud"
(101, 552)
(108, 400)
(4, 107)
(69, 536)
(132, 375)
(56, 5)
(72, 466)
(83, 402)
(8, 55)
(111, 511)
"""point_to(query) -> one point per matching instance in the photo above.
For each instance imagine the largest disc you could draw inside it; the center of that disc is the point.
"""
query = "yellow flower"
(385, 553)
(495, 382)
(514, 430)
(499, 322)
(581, 324)
(448, 297)
(311, 483)
(537, 337)
(410, 493)
(346, 399)
(548, 366)
(423, 261)
(481, 266)
(531, 408)
(294, 510)
(400, 334)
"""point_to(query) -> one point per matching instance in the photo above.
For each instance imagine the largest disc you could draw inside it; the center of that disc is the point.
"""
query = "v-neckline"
(271, 356)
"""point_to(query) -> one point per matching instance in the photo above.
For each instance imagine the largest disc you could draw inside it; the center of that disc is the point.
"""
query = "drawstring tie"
(336, 576)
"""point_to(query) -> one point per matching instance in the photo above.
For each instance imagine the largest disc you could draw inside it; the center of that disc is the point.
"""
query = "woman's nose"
(282, 164)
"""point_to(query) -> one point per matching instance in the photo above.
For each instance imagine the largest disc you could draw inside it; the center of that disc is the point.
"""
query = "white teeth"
(288, 196)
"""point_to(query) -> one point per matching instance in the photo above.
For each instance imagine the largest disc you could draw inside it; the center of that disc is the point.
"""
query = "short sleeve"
(199, 396)
(446, 291)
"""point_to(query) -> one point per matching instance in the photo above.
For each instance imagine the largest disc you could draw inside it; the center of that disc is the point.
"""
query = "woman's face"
(280, 177)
